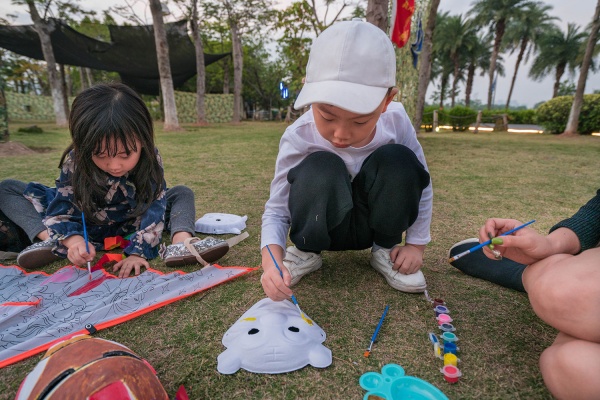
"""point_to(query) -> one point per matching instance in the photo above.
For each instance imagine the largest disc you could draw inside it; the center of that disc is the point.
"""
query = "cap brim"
(359, 99)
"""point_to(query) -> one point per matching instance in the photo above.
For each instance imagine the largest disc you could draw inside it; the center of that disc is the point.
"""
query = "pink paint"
(62, 275)
(444, 319)
(90, 285)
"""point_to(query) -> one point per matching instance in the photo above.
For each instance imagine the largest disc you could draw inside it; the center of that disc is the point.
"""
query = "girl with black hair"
(113, 174)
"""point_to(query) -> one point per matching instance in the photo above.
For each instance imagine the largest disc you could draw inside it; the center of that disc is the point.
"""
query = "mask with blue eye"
(271, 338)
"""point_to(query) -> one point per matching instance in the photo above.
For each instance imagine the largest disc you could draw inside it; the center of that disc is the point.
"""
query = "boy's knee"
(318, 167)
(398, 162)
(322, 160)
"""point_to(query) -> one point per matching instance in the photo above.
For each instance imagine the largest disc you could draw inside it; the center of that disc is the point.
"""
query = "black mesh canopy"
(131, 52)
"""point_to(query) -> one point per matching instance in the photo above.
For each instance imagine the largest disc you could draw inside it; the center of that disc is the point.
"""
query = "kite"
(38, 310)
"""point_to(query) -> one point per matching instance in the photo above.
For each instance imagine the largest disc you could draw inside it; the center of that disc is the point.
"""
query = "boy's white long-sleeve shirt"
(302, 138)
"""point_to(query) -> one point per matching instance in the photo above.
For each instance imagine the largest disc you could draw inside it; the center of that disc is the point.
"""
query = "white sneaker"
(412, 283)
(300, 263)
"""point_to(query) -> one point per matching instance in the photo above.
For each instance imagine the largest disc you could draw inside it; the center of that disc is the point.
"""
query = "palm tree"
(478, 57)
(454, 36)
(585, 65)
(558, 51)
(523, 33)
(442, 65)
(495, 14)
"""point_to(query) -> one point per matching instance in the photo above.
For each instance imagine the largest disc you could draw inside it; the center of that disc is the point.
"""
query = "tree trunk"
(43, 30)
(377, 14)
(500, 26)
(63, 82)
(454, 80)
(560, 70)
(89, 77)
(425, 64)
(164, 67)
(69, 81)
(4, 133)
(200, 70)
(573, 122)
(226, 75)
(236, 42)
(469, 85)
(524, 44)
(82, 78)
(443, 83)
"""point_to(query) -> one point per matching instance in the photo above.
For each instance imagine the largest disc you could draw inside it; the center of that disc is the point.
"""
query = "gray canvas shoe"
(38, 255)
(194, 251)
(412, 283)
(300, 263)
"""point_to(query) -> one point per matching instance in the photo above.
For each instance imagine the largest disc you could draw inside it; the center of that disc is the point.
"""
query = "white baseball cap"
(351, 65)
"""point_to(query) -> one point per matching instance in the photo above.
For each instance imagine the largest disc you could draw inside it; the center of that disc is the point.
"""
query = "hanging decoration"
(402, 12)
(417, 46)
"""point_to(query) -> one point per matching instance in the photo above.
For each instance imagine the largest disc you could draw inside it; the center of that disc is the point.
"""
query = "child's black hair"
(102, 117)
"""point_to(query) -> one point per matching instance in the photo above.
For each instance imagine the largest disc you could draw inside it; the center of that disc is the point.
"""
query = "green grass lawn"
(475, 176)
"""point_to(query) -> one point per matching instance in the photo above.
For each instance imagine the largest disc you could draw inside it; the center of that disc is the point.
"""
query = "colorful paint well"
(443, 319)
(438, 302)
(437, 351)
(445, 327)
(441, 309)
(451, 373)
(450, 348)
(449, 337)
(450, 359)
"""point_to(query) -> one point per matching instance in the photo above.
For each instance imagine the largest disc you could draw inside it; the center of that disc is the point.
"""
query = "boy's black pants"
(331, 212)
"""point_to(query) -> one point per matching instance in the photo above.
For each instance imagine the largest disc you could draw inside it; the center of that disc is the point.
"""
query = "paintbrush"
(87, 245)
(294, 300)
(487, 242)
(366, 354)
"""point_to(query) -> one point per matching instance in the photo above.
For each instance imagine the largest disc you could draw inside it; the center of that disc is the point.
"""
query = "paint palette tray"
(393, 384)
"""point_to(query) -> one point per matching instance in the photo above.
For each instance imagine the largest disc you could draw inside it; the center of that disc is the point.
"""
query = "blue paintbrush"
(377, 330)
(294, 300)
(487, 242)
(87, 245)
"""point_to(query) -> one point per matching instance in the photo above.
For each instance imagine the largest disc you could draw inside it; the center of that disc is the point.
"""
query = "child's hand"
(275, 287)
(407, 259)
(77, 252)
(132, 262)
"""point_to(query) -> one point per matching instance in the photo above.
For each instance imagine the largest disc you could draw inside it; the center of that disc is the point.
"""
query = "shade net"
(131, 51)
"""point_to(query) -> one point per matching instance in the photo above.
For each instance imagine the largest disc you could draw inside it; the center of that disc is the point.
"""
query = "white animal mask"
(271, 337)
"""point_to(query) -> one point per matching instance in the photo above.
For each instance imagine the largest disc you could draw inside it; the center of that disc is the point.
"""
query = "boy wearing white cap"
(350, 173)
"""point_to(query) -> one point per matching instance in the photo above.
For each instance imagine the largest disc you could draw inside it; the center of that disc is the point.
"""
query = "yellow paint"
(249, 319)
(308, 321)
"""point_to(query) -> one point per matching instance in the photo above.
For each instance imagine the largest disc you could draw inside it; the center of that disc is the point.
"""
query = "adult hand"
(524, 246)
(407, 259)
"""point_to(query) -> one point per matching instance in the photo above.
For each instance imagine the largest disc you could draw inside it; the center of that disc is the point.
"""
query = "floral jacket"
(63, 218)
